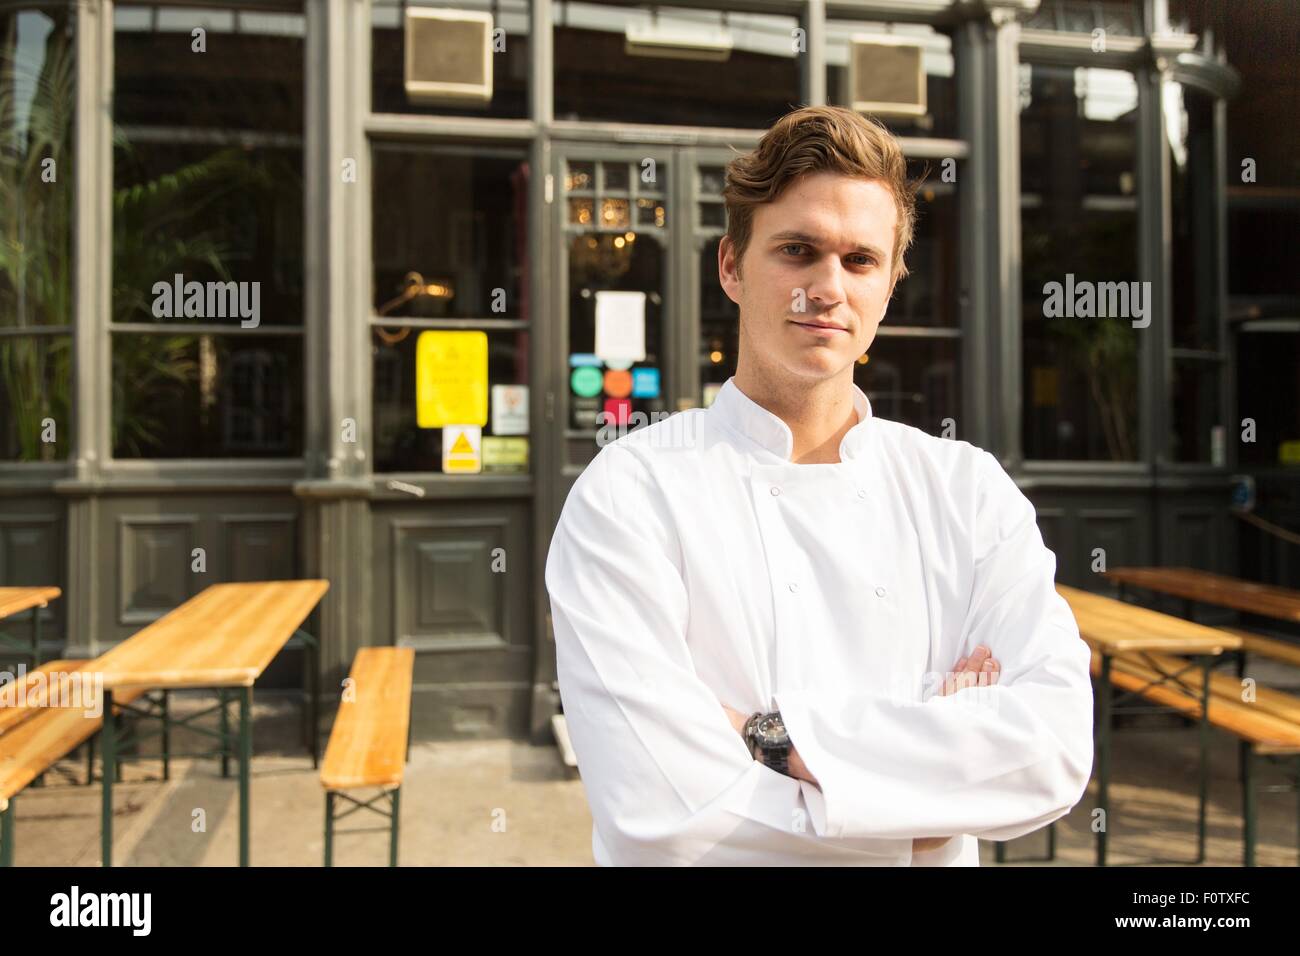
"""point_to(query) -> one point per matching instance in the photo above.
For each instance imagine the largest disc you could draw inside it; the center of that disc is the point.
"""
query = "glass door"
(615, 281)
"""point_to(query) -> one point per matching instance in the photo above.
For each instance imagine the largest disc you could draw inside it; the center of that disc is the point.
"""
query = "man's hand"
(978, 670)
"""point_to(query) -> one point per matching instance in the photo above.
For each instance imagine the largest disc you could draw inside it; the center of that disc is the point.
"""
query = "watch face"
(771, 730)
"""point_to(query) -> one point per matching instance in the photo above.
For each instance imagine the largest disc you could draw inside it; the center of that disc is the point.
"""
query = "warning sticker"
(462, 449)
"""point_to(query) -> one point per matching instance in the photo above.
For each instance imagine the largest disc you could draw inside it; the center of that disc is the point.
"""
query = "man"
(769, 614)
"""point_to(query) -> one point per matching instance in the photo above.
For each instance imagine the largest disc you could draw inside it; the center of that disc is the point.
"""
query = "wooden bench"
(1270, 647)
(35, 740)
(1267, 728)
(371, 739)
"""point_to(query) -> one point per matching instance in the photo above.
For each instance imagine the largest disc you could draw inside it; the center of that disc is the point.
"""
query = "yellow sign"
(460, 449)
(451, 379)
(505, 454)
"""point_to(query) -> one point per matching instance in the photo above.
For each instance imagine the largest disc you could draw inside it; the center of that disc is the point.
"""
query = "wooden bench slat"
(30, 749)
(367, 747)
(17, 600)
(1266, 646)
(1207, 587)
(1118, 627)
(224, 636)
(1269, 732)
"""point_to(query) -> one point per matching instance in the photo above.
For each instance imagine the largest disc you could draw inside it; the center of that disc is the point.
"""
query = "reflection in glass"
(1195, 411)
(1194, 289)
(37, 104)
(458, 216)
(1078, 224)
(204, 396)
(400, 444)
(912, 380)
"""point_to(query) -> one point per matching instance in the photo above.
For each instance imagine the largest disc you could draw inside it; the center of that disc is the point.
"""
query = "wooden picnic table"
(222, 638)
(1206, 587)
(1113, 628)
(15, 601)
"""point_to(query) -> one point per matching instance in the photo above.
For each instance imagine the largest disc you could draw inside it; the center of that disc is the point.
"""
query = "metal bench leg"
(1205, 756)
(1103, 756)
(36, 638)
(245, 767)
(1000, 851)
(7, 834)
(109, 735)
(1248, 805)
(392, 838)
(1051, 842)
(90, 760)
(314, 652)
(166, 734)
(225, 732)
(329, 827)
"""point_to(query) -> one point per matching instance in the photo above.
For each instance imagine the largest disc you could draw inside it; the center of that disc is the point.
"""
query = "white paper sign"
(510, 409)
(620, 325)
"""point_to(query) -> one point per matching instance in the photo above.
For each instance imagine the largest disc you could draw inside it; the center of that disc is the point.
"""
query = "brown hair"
(816, 139)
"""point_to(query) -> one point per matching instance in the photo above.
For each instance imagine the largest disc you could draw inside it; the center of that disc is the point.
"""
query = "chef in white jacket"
(787, 556)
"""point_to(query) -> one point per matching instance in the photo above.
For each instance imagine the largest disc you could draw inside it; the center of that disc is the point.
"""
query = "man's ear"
(728, 269)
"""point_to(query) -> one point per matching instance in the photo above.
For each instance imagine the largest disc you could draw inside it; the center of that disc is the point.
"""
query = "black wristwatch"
(768, 741)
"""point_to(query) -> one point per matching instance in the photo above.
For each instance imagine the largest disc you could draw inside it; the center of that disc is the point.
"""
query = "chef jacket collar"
(745, 416)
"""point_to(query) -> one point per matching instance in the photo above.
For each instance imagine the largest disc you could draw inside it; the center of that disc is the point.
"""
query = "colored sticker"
(618, 384)
(451, 379)
(583, 358)
(617, 411)
(510, 409)
(586, 381)
(461, 446)
(505, 454)
(645, 383)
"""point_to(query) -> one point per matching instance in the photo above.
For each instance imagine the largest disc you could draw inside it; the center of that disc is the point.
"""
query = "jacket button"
(862, 493)
(775, 490)
(880, 592)
(793, 587)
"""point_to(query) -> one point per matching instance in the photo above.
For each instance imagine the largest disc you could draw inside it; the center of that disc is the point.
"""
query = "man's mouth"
(823, 328)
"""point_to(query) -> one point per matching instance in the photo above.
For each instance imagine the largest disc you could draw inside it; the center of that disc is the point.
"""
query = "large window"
(683, 67)
(1081, 302)
(207, 233)
(37, 176)
(450, 250)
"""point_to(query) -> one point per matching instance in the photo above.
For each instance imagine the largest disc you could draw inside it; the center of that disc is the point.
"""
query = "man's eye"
(791, 245)
(865, 260)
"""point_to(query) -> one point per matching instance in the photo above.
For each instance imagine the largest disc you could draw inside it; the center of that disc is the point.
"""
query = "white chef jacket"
(695, 565)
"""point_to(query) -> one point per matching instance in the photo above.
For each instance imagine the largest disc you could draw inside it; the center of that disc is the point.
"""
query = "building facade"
(153, 442)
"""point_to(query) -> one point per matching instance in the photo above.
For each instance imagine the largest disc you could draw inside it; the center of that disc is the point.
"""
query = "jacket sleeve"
(668, 779)
(996, 762)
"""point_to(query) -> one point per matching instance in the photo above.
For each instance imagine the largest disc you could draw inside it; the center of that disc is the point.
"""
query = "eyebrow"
(809, 239)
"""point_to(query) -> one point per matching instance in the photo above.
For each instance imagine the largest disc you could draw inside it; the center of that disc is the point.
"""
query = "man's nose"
(826, 282)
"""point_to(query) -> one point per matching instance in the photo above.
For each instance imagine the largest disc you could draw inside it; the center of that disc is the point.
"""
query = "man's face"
(825, 246)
